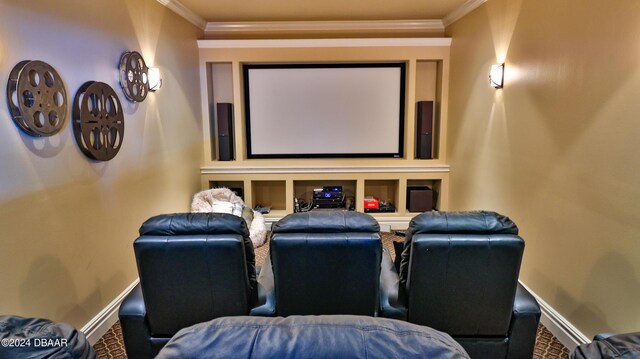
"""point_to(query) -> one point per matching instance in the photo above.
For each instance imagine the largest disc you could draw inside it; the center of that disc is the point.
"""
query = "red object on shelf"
(371, 203)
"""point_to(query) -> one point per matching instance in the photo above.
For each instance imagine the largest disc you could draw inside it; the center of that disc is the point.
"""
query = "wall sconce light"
(155, 81)
(496, 76)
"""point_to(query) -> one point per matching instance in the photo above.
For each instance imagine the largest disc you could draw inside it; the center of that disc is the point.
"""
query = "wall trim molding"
(103, 321)
(180, 9)
(461, 11)
(239, 27)
(324, 169)
(558, 325)
(301, 43)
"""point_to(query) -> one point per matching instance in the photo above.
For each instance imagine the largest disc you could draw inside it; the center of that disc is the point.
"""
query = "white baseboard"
(101, 323)
(558, 325)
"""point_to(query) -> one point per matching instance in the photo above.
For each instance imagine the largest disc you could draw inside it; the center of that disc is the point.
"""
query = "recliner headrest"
(326, 222)
(473, 222)
(194, 224)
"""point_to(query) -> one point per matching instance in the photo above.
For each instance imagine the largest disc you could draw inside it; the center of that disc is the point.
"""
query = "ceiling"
(325, 18)
(324, 10)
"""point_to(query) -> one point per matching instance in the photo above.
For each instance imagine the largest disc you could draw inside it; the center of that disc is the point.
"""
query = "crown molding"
(179, 8)
(461, 11)
(323, 169)
(218, 28)
(225, 28)
(301, 43)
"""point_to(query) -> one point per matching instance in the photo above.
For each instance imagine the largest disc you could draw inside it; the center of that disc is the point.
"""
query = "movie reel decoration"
(98, 121)
(37, 98)
(133, 76)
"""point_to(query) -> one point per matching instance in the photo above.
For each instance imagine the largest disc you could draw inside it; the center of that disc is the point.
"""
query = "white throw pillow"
(222, 207)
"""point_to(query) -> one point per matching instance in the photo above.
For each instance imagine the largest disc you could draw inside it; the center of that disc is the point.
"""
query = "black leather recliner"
(459, 274)
(322, 262)
(193, 267)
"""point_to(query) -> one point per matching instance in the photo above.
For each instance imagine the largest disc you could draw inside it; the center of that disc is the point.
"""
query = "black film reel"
(98, 121)
(133, 76)
(37, 98)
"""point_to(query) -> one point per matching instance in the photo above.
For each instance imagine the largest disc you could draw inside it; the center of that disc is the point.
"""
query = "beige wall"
(68, 223)
(558, 148)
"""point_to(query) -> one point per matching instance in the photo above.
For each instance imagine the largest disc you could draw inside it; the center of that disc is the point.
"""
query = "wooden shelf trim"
(324, 169)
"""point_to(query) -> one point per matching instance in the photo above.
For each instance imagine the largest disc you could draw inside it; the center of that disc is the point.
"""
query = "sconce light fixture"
(496, 76)
(155, 81)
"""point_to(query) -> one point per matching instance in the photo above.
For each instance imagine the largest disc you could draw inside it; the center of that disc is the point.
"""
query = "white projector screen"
(324, 110)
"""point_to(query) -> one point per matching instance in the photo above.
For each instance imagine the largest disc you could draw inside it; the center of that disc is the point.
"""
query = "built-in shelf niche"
(270, 194)
(220, 90)
(434, 185)
(428, 88)
(385, 190)
(303, 189)
(235, 186)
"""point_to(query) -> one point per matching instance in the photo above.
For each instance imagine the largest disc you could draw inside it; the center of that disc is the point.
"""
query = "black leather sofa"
(310, 337)
(459, 274)
(322, 262)
(193, 267)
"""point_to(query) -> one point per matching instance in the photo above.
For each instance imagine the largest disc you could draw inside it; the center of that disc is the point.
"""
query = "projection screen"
(324, 110)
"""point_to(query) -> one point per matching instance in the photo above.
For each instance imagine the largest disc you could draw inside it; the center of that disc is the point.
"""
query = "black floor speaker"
(225, 131)
(424, 130)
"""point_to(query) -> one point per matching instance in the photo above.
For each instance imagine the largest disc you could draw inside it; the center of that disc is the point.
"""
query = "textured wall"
(67, 222)
(557, 148)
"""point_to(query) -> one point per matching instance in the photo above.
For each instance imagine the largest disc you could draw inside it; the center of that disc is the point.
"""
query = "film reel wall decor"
(98, 121)
(134, 76)
(37, 98)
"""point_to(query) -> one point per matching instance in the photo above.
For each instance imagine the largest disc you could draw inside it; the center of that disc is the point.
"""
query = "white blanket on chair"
(223, 200)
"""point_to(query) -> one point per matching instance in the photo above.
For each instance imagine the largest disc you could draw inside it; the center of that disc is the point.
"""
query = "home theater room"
(336, 179)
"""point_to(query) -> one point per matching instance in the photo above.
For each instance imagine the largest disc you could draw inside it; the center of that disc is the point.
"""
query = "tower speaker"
(225, 131)
(424, 130)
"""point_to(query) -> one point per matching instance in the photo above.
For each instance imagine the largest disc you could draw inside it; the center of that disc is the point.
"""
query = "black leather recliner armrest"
(135, 331)
(392, 297)
(524, 324)
(266, 306)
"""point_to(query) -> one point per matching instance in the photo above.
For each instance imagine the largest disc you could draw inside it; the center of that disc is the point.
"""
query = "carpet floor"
(111, 345)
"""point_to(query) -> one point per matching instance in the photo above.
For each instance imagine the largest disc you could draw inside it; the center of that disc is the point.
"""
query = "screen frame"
(247, 110)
